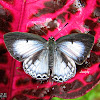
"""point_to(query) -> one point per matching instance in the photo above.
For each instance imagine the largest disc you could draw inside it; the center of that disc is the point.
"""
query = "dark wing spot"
(56, 78)
(39, 76)
(17, 58)
(60, 79)
(44, 77)
(26, 40)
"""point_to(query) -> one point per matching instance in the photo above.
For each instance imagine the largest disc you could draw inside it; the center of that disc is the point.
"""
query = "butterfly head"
(51, 38)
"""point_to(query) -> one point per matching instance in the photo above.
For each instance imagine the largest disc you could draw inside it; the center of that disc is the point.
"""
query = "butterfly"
(43, 59)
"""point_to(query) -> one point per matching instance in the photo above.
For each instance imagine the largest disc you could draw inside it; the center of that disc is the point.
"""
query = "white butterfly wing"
(37, 65)
(64, 67)
(76, 46)
(23, 45)
(71, 49)
(32, 50)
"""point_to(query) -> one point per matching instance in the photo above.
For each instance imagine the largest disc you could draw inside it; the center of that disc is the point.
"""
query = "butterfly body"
(52, 48)
(42, 59)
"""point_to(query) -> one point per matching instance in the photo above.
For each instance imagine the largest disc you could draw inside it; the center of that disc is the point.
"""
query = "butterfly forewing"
(23, 45)
(76, 46)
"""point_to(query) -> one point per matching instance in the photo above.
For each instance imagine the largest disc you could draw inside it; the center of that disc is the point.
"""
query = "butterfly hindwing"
(64, 67)
(22, 45)
(37, 65)
(76, 46)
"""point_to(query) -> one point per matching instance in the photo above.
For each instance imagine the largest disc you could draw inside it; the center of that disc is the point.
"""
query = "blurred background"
(94, 94)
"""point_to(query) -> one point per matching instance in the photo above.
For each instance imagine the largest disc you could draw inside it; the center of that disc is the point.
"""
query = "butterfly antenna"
(61, 29)
(41, 30)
